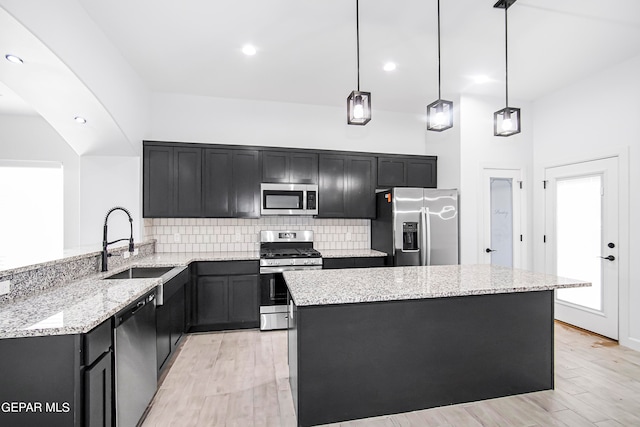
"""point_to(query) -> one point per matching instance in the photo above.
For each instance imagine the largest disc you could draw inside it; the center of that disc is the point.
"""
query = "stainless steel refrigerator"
(417, 226)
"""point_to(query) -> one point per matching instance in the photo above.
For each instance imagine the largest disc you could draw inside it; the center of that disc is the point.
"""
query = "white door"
(581, 232)
(502, 235)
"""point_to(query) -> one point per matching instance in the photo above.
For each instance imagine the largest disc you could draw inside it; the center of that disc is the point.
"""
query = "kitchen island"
(368, 342)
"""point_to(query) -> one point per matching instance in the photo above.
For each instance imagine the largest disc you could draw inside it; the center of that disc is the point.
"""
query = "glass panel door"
(579, 238)
(502, 221)
(581, 232)
(501, 218)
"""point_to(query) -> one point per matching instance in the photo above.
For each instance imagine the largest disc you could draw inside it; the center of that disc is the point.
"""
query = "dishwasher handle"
(133, 309)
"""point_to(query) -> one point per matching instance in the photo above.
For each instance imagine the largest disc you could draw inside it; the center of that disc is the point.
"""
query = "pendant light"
(358, 103)
(506, 122)
(440, 112)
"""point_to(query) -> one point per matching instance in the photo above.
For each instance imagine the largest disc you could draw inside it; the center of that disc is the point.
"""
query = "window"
(31, 212)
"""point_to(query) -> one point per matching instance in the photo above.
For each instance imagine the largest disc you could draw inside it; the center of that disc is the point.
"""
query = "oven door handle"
(268, 270)
(272, 288)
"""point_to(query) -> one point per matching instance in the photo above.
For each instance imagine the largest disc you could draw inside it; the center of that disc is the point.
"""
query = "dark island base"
(361, 360)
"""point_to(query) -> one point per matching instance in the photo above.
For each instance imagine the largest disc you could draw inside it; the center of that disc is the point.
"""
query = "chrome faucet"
(105, 255)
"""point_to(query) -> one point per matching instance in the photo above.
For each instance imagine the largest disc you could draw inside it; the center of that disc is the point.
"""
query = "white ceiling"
(306, 48)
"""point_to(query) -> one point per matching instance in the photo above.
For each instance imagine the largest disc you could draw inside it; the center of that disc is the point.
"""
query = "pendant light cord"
(358, 42)
(506, 57)
(439, 93)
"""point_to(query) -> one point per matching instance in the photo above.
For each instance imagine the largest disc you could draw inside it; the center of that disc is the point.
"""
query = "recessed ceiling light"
(389, 66)
(80, 120)
(480, 79)
(14, 59)
(249, 50)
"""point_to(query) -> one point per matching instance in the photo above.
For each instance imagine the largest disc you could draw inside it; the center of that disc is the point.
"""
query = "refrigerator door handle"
(425, 237)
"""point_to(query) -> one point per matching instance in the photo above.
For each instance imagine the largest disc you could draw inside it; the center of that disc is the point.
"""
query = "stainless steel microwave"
(288, 199)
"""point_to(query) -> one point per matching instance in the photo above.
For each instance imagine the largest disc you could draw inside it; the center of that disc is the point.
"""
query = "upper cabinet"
(289, 167)
(231, 183)
(172, 181)
(409, 171)
(182, 180)
(347, 186)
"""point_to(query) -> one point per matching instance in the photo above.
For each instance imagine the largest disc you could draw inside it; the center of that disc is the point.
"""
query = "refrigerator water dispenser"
(409, 236)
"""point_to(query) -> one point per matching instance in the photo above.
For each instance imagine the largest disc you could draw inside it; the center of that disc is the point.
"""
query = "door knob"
(489, 250)
(610, 257)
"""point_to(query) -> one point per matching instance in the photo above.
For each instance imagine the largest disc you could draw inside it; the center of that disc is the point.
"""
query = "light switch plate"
(5, 287)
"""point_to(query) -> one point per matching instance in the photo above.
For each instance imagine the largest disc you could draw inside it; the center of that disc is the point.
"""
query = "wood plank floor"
(240, 379)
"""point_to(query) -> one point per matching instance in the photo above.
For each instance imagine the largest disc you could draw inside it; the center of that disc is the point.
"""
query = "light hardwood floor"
(240, 379)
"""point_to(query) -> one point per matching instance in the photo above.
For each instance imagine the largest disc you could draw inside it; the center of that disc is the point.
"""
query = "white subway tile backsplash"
(239, 234)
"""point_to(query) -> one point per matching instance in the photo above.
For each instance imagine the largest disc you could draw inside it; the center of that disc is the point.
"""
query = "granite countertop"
(324, 287)
(79, 306)
(351, 253)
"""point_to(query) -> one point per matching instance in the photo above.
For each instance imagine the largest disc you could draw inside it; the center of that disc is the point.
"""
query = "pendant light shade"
(359, 108)
(440, 115)
(506, 122)
(358, 102)
(440, 112)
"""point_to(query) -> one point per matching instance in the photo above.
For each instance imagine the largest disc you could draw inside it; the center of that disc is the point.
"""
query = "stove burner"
(289, 253)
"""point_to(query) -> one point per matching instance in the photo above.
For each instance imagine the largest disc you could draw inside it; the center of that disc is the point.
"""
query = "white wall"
(32, 138)
(106, 182)
(244, 122)
(68, 31)
(479, 149)
(593, 117)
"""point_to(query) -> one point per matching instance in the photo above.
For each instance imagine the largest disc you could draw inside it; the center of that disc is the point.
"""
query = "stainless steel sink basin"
(173, 279)
(140, 273)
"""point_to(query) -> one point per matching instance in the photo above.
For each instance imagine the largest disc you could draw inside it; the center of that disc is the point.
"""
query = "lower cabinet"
(98, 393)
(352, 262)
(170, 319)
(65, 380)
(226, 295)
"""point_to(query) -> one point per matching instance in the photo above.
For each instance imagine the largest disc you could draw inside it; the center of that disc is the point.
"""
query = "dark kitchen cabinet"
(289, 167)
(231, 183)
(70, 376)
(246, 183)
(98, 393)
(225, 296)
(415, 171)
(347, 186)
(352, 262)
(170, 318)
(212, 300)
(172, 181)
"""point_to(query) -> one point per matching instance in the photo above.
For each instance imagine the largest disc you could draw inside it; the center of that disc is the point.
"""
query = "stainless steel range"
(282, 251)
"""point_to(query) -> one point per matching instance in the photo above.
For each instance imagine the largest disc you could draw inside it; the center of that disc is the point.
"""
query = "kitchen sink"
(173, 279)
(141, 273)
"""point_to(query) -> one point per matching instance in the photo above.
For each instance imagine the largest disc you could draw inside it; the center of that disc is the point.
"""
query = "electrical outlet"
(126, 254)
(135, 252)
(176, 238)
(5, 287)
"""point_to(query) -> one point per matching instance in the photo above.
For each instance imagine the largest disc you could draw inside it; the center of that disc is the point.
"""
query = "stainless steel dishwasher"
(135, 359)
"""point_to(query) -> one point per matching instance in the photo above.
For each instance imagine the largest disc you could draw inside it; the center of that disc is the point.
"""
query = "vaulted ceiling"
(306, 50)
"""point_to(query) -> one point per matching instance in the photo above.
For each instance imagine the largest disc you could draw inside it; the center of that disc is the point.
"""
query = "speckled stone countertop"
(79, 306)
(351, 253)
(324, 287)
